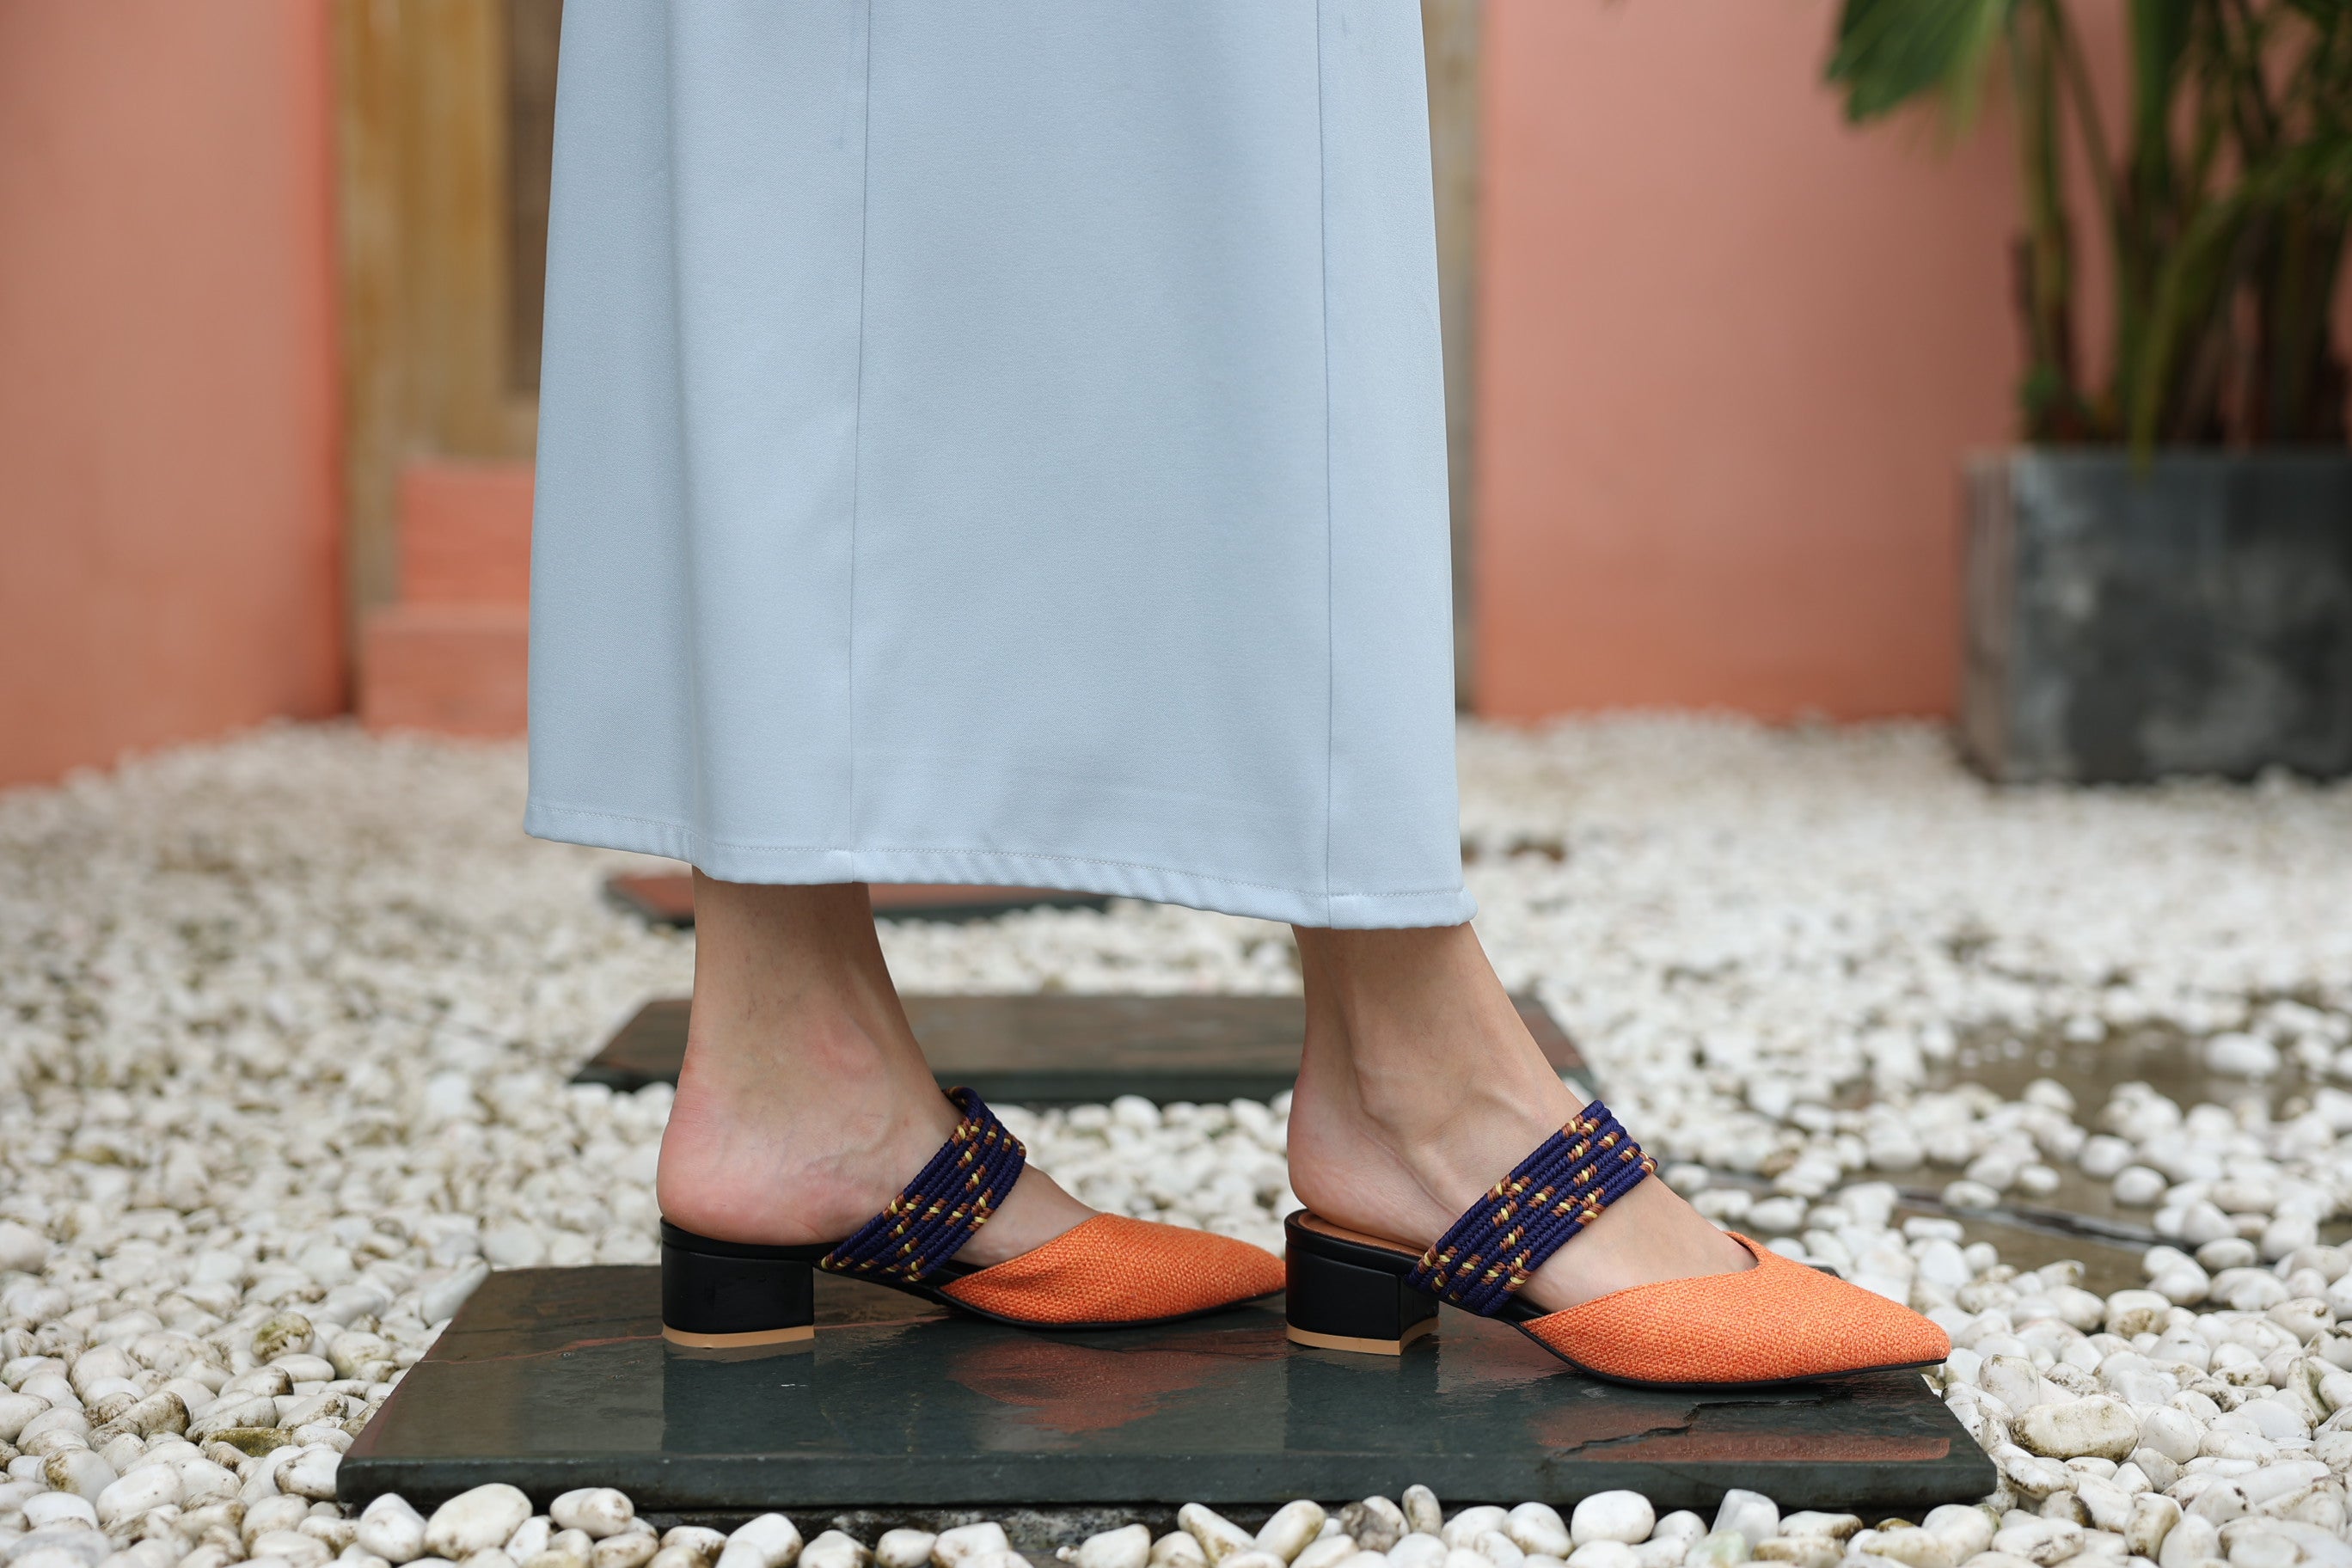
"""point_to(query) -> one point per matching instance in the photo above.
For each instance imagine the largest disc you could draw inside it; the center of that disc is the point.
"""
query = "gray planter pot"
(2193, 617)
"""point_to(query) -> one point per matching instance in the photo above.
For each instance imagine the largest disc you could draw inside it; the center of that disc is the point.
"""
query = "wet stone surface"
(551, 1378)
(1062, 1049)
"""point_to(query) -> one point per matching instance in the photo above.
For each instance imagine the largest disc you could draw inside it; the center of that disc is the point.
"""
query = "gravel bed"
(284, 1024)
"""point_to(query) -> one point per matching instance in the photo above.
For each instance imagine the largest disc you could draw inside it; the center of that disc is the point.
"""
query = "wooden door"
(447, 121)
(446, 115)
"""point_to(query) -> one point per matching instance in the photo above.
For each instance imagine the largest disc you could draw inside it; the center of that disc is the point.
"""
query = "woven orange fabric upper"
(1114, 1270)
(1779, 1320)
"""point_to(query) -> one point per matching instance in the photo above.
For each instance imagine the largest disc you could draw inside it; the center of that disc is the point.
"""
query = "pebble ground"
(285, 1021)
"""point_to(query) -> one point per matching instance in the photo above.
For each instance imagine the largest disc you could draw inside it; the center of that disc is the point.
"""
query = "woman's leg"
(1421, 1089)
(804, 1103)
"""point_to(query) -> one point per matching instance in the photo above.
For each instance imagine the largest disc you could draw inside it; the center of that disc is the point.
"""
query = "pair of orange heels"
(1779, 1321)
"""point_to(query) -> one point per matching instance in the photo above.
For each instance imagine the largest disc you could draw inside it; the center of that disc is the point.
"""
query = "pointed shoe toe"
(1779, 1321)
(1112, 1269)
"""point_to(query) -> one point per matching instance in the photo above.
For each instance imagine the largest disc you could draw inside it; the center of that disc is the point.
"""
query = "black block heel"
(1343, 1295)
(731, 1294)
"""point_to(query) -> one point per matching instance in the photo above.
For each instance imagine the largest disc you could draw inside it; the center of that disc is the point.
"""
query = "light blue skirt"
(999, 443)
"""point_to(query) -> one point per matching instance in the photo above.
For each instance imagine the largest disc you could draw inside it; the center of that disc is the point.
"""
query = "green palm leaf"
(1891, 52)
(2199, 275)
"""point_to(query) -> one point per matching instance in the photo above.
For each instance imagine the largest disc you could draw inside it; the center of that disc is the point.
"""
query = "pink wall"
(1731, 352)
(169, 490)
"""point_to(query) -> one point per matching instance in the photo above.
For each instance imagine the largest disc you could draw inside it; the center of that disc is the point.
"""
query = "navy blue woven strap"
(1533, 1212)
(953, 1196)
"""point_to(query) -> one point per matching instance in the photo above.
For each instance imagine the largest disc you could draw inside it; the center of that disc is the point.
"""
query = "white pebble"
(44, 1510)
(77, 1470)
(836, 1549)
(22, 1247)
(1967, 1529)
(2138, 1186)
(1754, 1515)
(1539, 1531)
(1377, 1524)
(1217, 1536)
(2152, 1518)
(1290, 1528)
(767, 1541)
(1717, 1549)
(1177, 1549)
(1619, 1515)
(1328, 1551)
(311, 1474)
(1469, 1523)
(2190, 1541)
(390, 1529)
(1603, 1555)
(291, 1547)
(2098, 1427)
(476, 1521)
(594, 1511)
(2242, 1056)
(632, 1548)
(151, 1486)
(1498, 1548)
(2129, 1313)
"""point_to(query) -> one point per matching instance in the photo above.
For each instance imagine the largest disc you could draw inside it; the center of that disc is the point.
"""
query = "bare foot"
(804, 1104)
(1421, 1089)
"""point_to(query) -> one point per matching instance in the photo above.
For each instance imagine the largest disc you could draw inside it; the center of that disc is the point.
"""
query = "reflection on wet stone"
(556, 1378)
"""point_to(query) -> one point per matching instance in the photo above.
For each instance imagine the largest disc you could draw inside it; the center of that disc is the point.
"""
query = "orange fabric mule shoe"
(1109, 1271)
(1779, 1321)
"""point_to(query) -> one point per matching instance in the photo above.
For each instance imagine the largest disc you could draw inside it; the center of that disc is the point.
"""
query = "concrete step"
(458, 669)
(450, 656)
(465, 533)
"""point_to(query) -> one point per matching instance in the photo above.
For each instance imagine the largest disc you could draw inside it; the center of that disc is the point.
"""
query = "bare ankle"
(815, 1143)
(802, 1097)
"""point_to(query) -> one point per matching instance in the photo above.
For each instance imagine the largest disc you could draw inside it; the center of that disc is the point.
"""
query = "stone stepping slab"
(1071, 1048)
(667, 899)
(550, 1379)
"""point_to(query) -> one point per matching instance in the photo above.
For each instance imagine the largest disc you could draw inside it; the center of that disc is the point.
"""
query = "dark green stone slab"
(1044, 1049)
(555, 1378)
(667, 899)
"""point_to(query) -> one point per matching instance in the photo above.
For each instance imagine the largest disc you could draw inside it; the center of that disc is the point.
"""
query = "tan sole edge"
(1361, 1347)
(738, 1341)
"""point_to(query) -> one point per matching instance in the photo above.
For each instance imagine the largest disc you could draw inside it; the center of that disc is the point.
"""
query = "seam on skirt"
(858, 411)
(1331, 547)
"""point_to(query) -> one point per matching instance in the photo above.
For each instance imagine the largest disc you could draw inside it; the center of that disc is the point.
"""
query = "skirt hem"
(804, 864)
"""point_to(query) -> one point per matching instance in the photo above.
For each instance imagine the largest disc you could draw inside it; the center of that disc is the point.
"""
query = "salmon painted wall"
(169, 490)
(1731, 352)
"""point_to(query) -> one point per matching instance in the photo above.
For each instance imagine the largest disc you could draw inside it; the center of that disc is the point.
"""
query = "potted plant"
(2159, 579)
